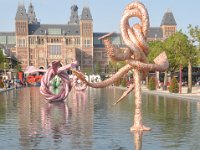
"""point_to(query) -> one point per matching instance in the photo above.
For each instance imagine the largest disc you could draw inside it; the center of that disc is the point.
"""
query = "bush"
(123, 82)
(152, 83)
(1, 84)
(174, 87)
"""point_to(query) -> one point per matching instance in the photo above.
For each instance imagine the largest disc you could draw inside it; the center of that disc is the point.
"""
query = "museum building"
(36, 44)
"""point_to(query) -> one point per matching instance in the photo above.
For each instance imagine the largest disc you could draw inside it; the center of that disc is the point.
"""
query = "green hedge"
(1, 84)
(174, 86)
(152, 83)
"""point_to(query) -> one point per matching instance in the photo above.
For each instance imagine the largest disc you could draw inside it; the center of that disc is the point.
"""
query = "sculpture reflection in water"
(138, 140)
(54, 118)
(135, 56)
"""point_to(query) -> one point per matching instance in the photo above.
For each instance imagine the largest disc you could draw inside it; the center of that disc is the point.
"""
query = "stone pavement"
(195, 95)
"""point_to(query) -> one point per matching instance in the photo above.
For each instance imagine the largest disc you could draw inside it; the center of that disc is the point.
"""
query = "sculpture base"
(140, 128)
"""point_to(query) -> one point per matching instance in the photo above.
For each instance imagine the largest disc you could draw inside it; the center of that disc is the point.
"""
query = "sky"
(106, 13)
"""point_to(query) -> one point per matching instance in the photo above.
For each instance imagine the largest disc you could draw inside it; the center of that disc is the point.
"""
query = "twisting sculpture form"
(78, 86)
(55, 70)
(136, 57)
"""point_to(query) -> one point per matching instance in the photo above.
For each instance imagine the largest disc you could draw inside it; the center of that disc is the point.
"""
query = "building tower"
(86, 35)
(21, 31)
(74, 18)
(31, 15)
(168, 24)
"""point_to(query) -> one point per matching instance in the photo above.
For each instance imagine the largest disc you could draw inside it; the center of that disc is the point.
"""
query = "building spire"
(21, 12)
(74, 18)
(86, 15)
(168, 18)
(31, 14)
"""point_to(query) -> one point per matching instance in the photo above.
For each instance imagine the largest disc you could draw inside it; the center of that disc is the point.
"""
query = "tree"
(194, 33)
(180, 50)
(2, 59)
(155, 48)
(195, 39)
(193, 53)
(175, 45)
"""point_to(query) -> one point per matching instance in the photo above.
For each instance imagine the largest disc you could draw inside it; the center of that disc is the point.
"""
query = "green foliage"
(113, 66)
(194, 33)
(2, 59)
(1, 56)
(174, 86)
(1, 84)
(18, 68)
(152, 83)
(123, 82)
(179, 49)
(155, 48)
(176, 47)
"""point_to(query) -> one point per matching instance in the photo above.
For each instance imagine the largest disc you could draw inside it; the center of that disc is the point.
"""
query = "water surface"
(89, 121)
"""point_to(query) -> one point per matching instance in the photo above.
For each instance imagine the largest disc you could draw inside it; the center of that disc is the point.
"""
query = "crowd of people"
(12, 83)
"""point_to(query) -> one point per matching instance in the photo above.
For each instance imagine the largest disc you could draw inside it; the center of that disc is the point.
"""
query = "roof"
(44, 29)
(7, 33)
(21, 13)
(155, 32)
(168, 19)
(86, 15)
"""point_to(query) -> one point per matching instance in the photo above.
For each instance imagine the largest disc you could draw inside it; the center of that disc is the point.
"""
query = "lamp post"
(4, 66)
(180, 80)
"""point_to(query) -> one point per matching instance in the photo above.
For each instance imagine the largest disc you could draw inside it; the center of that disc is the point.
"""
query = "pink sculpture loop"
(81, 86)
(135, 36)
(65, 87)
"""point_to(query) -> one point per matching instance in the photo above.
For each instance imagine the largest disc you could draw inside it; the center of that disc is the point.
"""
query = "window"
(69, 41)
(11, 40)
(97, 41)
(87, 42)
(54, 31)
(116, 40)
(21, 42)
(54, 50)
(2, 39)
(77, 41)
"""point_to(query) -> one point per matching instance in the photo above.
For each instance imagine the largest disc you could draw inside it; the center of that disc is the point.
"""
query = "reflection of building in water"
(29, 115)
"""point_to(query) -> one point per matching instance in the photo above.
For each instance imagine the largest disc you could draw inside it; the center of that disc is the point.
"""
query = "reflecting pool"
(89, 121)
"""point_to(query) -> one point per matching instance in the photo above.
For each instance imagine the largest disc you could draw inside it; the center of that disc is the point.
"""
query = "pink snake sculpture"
(135, 55)
(50, 73)
(81, 86)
